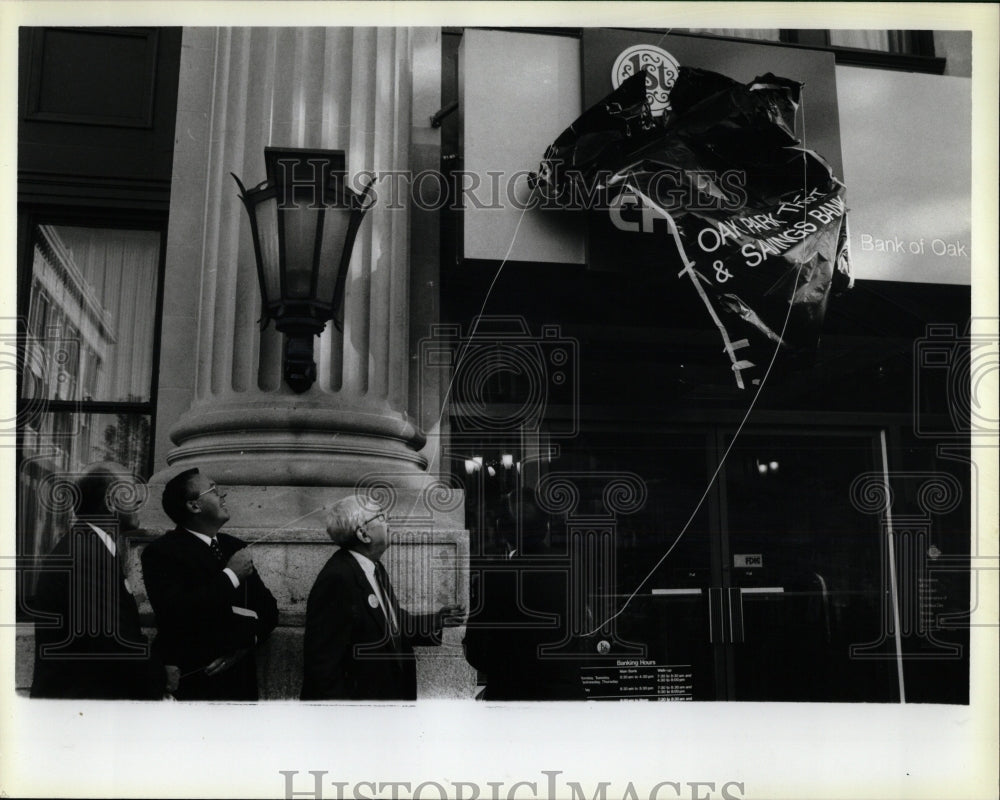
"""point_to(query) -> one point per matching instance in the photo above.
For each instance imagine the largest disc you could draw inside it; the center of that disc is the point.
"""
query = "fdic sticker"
(748, 560)
(661, 72)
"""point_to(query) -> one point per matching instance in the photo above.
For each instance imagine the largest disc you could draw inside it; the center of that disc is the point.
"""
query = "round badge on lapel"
(373, 600)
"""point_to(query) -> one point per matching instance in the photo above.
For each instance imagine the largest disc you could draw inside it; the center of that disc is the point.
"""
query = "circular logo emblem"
(660, 68)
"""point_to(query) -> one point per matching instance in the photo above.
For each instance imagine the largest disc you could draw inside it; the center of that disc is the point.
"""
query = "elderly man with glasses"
(358, 641)
(212, 609)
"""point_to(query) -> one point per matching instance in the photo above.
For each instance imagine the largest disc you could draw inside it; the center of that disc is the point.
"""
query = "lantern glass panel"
(334, 233)
(266, 213)
(300, 249)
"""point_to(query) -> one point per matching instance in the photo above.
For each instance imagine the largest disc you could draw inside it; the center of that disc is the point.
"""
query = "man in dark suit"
(88, 640)
(358, 641)
(212, 609)
(519, 633)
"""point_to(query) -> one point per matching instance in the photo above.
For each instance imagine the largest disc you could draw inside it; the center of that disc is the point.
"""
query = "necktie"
(388, 598)
(217, 551)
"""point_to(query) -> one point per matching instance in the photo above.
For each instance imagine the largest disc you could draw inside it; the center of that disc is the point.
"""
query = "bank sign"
(762, 261)
(910, 195)
(713, 189)
(628, 235)
(660, 68)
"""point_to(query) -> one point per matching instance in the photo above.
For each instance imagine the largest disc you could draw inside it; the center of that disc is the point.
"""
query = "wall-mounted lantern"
(303, 219)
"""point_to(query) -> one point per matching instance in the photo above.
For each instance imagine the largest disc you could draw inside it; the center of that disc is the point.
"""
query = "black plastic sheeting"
(759, 222)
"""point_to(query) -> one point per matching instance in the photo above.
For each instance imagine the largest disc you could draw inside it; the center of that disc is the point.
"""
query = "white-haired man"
(358, 641)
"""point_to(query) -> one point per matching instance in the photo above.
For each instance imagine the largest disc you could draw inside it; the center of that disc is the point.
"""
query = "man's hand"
(241, 563)
(451, 616)
(173, 678)
(223, 663)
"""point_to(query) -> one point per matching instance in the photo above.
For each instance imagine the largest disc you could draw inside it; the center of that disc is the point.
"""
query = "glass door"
(655, 634)
(804, 578)
(772, 582)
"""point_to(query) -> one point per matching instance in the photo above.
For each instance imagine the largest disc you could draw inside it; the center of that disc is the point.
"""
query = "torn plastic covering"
(758, 222)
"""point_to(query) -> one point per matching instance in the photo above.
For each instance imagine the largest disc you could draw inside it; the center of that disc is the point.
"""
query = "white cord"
(746, 416)
(433, 461)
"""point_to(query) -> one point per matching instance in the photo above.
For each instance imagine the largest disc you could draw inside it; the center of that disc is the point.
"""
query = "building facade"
(808, 542)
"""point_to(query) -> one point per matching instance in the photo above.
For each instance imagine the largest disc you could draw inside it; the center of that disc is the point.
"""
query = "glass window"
(87, 391)
(903, 42)
(882, 41)
(92, 311)
(867, 40)
(760, 34)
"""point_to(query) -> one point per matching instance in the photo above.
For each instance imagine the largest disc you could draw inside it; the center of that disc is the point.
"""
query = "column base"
(267, 444)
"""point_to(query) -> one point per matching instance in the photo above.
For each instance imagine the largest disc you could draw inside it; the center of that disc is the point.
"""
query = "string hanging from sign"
(730, 346)
(743, 421)
(463, 353)
(436, 454)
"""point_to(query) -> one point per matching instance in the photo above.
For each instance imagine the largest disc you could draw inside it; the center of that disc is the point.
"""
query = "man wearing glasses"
(211, 606)
(358, 641)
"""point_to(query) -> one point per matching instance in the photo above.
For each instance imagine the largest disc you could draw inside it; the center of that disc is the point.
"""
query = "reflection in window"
(760, 34)
(919, 43)
(866, 40)
(880, 41)
(87, 377)
(91, 314)
(57, 447)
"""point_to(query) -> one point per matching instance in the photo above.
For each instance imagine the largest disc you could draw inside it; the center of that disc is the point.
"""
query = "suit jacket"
(193, 600)
(88, 640)
(349, 653)
(518, 632)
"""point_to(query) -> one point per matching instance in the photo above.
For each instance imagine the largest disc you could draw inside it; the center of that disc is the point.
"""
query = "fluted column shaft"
(330, 88)
(222, 405)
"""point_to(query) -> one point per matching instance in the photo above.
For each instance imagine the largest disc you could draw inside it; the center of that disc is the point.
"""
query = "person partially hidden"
(519, 634)
(89, 642)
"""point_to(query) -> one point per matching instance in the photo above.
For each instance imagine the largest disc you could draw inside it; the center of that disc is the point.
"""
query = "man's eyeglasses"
(213, 488)
(380, 515)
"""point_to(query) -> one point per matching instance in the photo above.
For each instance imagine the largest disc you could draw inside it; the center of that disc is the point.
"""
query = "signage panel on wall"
(908, 161)
(908, 196)
(518, 90)
(741, 61)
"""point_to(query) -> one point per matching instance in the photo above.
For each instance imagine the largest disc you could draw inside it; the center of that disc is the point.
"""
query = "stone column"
(340, 88)
(283, 456)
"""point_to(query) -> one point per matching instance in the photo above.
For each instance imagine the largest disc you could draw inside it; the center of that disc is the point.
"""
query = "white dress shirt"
(109, 542)
(208, 543)
(368, 566)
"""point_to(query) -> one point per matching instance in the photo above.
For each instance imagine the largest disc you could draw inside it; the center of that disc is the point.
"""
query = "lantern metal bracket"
(442, 113)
